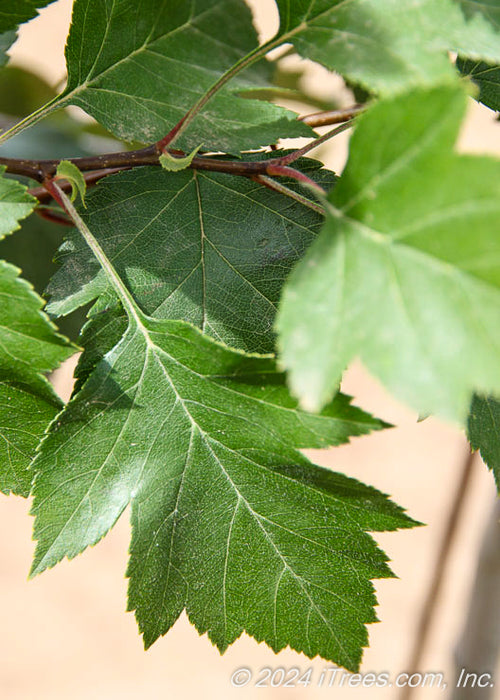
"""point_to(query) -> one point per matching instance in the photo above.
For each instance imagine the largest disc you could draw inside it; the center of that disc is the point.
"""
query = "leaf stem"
(333, 116)
(243, 63)
(283, 189)
(286, 171)
(133, 312)
(295, 155)
(30, 120)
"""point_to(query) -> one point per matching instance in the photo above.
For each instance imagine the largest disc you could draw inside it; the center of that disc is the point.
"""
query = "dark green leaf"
(484, 431)
(205, 247)
(139, 67)
(201, 441)
(486, 77)
(6, 41)
(406, 272)
(29, 347)
(16, 12)
(24, 416)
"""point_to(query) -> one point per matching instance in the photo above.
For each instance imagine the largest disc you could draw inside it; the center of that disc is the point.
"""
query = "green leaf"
(386, 45)
(66, 170)
(405, 273)
(138, 68)
(24, 417)
(29, 347)
(483, 431)
(12, 14)
(203, 442)
(209, 248)
(15, 204)
(32, 249)
(486, 77)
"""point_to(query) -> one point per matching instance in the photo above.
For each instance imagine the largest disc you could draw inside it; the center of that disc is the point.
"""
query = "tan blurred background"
(66, 634)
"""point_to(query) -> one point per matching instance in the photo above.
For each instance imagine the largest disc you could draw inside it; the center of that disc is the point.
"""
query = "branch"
(55, 217)
(479, 645)
(295, 155)
(334, 116)
(100, 166)
(285, 171)
(440, 567)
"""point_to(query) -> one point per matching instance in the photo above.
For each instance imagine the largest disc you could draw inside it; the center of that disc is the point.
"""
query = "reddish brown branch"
(283, 189)
(55, 217)
(164, 142)
(286, 171)
(103, 165)
(97, 167)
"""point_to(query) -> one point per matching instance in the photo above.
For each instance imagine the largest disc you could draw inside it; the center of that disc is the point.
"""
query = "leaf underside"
(396, 277)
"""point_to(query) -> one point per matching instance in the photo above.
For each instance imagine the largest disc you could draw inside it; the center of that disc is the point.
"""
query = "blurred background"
(66, 633)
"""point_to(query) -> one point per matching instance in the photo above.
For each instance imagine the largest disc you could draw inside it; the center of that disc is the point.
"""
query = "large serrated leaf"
(406, 272)
(208, 248)
(202, 441)
(139, 67)
(24, 417)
